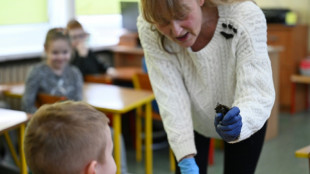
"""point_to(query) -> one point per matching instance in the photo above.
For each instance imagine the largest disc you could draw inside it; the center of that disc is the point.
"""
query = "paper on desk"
(9, 118)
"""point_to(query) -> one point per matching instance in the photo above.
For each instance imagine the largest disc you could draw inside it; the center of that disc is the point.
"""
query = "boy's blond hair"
(63, 138)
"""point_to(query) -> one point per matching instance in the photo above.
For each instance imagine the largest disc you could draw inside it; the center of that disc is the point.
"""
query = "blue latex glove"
(229, 127)
(188, 166)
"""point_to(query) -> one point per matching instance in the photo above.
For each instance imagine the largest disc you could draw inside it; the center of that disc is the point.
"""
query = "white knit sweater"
(234, 70)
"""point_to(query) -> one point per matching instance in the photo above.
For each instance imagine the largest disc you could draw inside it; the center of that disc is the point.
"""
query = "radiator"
(15, 72)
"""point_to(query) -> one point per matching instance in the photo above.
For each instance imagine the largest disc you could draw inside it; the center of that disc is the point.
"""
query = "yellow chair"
(141, 81)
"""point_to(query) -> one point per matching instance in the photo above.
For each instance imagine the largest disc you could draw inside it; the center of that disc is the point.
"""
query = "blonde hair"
(55, 34)
(150, 12)
(63, 138)
(150, 8)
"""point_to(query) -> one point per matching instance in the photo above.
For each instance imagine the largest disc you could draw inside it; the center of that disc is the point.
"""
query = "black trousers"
(239, 158)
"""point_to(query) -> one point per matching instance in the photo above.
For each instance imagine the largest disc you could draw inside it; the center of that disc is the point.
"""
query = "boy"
(69, 138)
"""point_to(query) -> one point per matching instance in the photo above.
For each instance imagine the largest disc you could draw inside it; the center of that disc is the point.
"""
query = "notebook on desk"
(9, 118)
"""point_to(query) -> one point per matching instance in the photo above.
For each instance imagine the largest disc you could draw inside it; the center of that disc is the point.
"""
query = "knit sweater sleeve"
(170, 92)
(254, 93)
(31, 90)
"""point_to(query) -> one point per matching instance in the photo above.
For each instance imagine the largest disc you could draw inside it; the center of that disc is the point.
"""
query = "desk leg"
(148, 139)
(309, 164)
(138, 135)
(23, 167)
(12, 149)
(117, 141)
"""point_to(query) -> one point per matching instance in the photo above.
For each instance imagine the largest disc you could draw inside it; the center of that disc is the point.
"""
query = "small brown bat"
(221, 109)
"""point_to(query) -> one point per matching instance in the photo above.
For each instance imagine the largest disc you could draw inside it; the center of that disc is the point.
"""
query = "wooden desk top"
(127, 50)
(3, 88)
(13, 90)
(107, 98)
(303, 153)
(125, 73)
(16, 119)
(300, 79)
(121, 73)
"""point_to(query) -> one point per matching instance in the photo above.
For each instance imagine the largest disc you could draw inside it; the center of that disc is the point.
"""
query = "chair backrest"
(142, 81)
(43, 98)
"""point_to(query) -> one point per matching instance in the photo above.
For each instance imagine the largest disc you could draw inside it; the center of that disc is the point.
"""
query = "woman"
(200, 53)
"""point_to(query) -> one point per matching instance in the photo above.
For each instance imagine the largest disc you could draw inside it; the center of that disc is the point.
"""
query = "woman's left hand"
(229, 127)
(188, 166)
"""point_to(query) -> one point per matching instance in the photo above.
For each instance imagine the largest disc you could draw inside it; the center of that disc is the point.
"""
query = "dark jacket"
(88, 65)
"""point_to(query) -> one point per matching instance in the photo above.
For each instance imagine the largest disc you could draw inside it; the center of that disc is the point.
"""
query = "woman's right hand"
(188, 166)
(230, 126)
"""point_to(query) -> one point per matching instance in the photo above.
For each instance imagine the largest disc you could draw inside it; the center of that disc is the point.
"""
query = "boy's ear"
(91, 167)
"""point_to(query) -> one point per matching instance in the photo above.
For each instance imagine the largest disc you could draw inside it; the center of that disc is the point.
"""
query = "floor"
(277, 155)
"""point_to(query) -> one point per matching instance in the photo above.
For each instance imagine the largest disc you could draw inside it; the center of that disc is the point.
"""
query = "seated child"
(83, 57)
(54, 76)
(69, 138)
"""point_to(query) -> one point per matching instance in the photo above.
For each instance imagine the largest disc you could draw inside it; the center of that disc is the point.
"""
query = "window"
(102, 19)
(23, 12)
(24, 23)
(98, 7)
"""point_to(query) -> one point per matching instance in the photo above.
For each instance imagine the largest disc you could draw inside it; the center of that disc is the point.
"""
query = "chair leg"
(138, 142)
(307, 97)
(211, 152)
(293, 109)
(309, 165)
(172, 161)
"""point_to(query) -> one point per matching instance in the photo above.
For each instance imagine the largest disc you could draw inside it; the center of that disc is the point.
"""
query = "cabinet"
(294, 41)
(128, 53)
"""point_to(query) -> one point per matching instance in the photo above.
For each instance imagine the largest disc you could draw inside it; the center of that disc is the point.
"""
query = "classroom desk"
(126, 56)
(13, 90)
(121, 74)
(115, 100)
(3, 88)
(301, 80)
(6, 126)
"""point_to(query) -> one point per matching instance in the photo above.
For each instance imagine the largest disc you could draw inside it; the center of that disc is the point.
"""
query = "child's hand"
(82, 49)
(111, 71)
(230, 126)
(188, 166)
